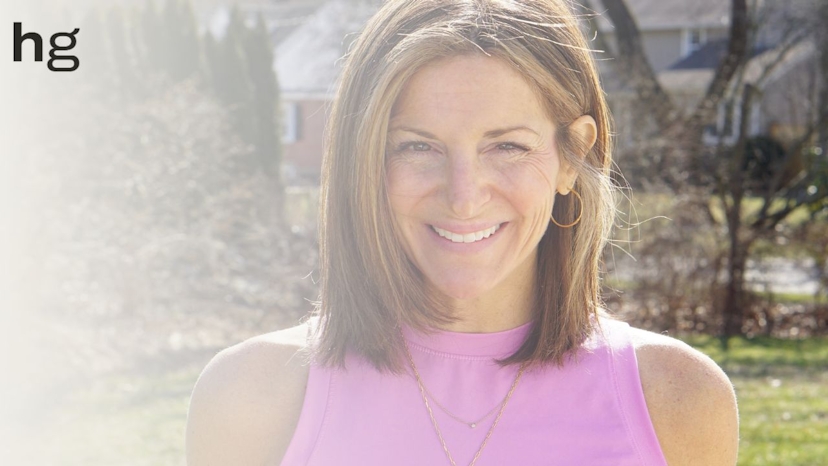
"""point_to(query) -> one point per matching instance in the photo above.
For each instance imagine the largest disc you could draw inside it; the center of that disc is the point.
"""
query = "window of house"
(694, 39)
(291, 122)
(728, 118)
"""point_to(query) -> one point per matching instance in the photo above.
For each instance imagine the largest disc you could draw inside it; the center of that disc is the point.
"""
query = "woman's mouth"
(467, 237)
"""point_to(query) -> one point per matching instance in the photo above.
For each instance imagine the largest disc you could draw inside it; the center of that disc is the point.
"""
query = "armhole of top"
(311, 419)
(630, 393)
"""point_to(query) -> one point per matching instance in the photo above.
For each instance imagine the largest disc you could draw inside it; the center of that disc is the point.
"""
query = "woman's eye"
(413, 147)
(417, 146)
(511, 147)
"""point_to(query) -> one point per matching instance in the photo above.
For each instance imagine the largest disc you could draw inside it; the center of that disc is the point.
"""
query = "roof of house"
(281, 16)
(309, 60)
(708, 56)
(693, 74)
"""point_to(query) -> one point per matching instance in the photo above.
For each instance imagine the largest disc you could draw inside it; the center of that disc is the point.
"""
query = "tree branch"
(635, 69)
(735, 58)
(796, 148)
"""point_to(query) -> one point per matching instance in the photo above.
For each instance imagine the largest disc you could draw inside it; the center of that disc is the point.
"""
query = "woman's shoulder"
(690, 399)
(247, 400)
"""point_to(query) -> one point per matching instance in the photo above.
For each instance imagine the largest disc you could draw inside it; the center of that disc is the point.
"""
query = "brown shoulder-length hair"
(368, 285)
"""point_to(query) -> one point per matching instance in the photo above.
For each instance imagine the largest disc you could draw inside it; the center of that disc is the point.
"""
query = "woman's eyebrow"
(501, 131)
(416, 131)
(492, 133)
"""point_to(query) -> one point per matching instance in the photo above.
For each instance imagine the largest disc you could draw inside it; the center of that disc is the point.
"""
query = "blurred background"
(158, 203)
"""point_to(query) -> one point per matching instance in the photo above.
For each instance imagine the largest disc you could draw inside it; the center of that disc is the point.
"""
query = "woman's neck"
(506, 306)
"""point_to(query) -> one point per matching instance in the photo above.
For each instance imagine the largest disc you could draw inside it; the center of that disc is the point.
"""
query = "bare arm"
(691, 402)
(247, 401)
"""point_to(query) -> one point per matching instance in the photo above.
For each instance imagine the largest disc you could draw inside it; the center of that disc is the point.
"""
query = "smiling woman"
(466, 202)
(472, 153)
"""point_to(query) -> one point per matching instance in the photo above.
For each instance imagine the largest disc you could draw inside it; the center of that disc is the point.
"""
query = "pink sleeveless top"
(591, 411)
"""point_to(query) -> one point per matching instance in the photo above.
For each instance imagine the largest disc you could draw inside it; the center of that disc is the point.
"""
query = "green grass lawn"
(126, 419)
(137, 418)
(782, 389)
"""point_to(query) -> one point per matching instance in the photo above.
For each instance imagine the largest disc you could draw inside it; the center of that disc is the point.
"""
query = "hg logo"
(19, 38)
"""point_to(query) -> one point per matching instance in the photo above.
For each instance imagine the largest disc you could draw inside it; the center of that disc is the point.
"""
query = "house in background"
(310, 37)
(672, 29)
(684, 42)
(308, 63)
(281, 16)
(306, 40)
(788, 99)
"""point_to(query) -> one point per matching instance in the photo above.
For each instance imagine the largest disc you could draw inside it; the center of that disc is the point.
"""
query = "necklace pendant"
(472, 425)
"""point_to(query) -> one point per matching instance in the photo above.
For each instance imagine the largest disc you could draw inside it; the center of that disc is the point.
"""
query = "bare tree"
(789, 179)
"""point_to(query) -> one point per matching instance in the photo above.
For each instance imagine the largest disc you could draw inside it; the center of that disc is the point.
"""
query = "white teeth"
(467, 238)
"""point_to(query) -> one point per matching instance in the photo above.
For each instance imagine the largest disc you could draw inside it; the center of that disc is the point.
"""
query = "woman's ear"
(585, 130)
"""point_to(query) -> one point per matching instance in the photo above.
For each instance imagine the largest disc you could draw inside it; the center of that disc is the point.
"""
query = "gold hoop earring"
(581, 211)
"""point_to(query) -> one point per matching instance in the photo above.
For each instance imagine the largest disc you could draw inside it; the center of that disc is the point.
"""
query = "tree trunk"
(822, 136)
(733, 307)
(634, 67)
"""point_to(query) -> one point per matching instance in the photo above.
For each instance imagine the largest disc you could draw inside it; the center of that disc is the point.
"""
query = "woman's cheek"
(532, 175)
(406, 178)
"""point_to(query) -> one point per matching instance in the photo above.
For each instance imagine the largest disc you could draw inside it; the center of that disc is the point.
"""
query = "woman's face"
(472, 172)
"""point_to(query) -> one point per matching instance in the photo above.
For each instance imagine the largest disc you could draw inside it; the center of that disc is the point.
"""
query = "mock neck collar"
(496, 344)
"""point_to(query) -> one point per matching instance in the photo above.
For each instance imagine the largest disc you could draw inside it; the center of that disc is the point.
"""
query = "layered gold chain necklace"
(423, 392)
(470, 424)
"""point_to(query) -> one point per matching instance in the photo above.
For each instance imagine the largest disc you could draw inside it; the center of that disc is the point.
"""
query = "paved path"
(778, 275)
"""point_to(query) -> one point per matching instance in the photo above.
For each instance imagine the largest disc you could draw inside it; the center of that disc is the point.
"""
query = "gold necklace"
(471, 424)
(434, 421)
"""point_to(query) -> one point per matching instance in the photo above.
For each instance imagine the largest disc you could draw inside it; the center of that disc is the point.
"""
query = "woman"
(466, 201)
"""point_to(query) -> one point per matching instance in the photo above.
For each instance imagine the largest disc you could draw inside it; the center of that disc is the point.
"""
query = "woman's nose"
(467, 188)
